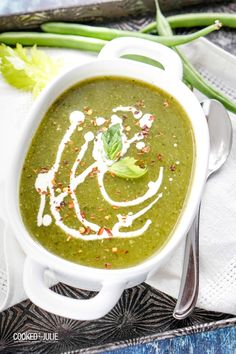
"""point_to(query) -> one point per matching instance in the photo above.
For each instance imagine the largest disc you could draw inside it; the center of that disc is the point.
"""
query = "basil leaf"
(112, 141)
(127, 168)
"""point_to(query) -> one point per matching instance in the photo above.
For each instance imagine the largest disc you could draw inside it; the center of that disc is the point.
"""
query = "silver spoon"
(221, 136)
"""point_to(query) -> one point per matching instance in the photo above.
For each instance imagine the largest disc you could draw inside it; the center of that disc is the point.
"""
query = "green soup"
(107, 173)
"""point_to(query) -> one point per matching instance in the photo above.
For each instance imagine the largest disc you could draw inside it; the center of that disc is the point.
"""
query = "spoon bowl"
(220, 130)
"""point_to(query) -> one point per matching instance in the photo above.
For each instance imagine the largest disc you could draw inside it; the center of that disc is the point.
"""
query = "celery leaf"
(27, 69)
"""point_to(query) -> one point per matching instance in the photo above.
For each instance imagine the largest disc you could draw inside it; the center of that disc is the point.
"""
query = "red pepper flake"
(95, 170)
(172, 167)
(87, 230)
(43, 169)
(71, 205)
(92, 216)
(145, 131)
(100, 231)
(82, 230)
(166, 104)
(69, 190)
(152, 118)
(108, 231)
(82, 213)
(107, 265)
(103, 129)
(88, 110)
(54, 182)
(159, 157)
(141, 164)
(146, 149)
(140, 103)
(122, 251)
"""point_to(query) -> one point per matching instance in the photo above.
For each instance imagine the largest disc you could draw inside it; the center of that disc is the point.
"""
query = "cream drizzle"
(146, 121)
(47, 220)
(136, 112)
(140, 145)
(44, 181)
(153, 187)
(127, 220)
(100, 121)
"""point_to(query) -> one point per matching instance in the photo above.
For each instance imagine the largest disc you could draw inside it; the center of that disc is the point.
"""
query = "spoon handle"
(189, 285)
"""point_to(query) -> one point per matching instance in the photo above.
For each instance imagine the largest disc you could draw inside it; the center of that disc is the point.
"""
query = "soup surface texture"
(107, 173)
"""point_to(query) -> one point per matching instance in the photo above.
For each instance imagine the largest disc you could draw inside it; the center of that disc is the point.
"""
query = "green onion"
(195, 20)
(110, 33)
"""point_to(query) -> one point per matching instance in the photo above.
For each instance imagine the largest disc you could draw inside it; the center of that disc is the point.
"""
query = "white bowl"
(110, 283)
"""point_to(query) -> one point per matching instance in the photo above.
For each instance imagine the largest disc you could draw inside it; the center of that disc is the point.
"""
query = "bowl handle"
(61, 305)
(128, 45)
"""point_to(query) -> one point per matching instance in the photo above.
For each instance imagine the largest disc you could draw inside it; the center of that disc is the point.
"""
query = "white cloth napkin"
(218, 226)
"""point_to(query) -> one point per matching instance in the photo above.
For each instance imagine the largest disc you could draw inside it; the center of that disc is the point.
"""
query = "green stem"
(52, 40)
(195, 20)
(108, 33)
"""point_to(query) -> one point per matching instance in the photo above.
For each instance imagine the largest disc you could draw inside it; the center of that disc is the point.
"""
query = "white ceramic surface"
(110, 283)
